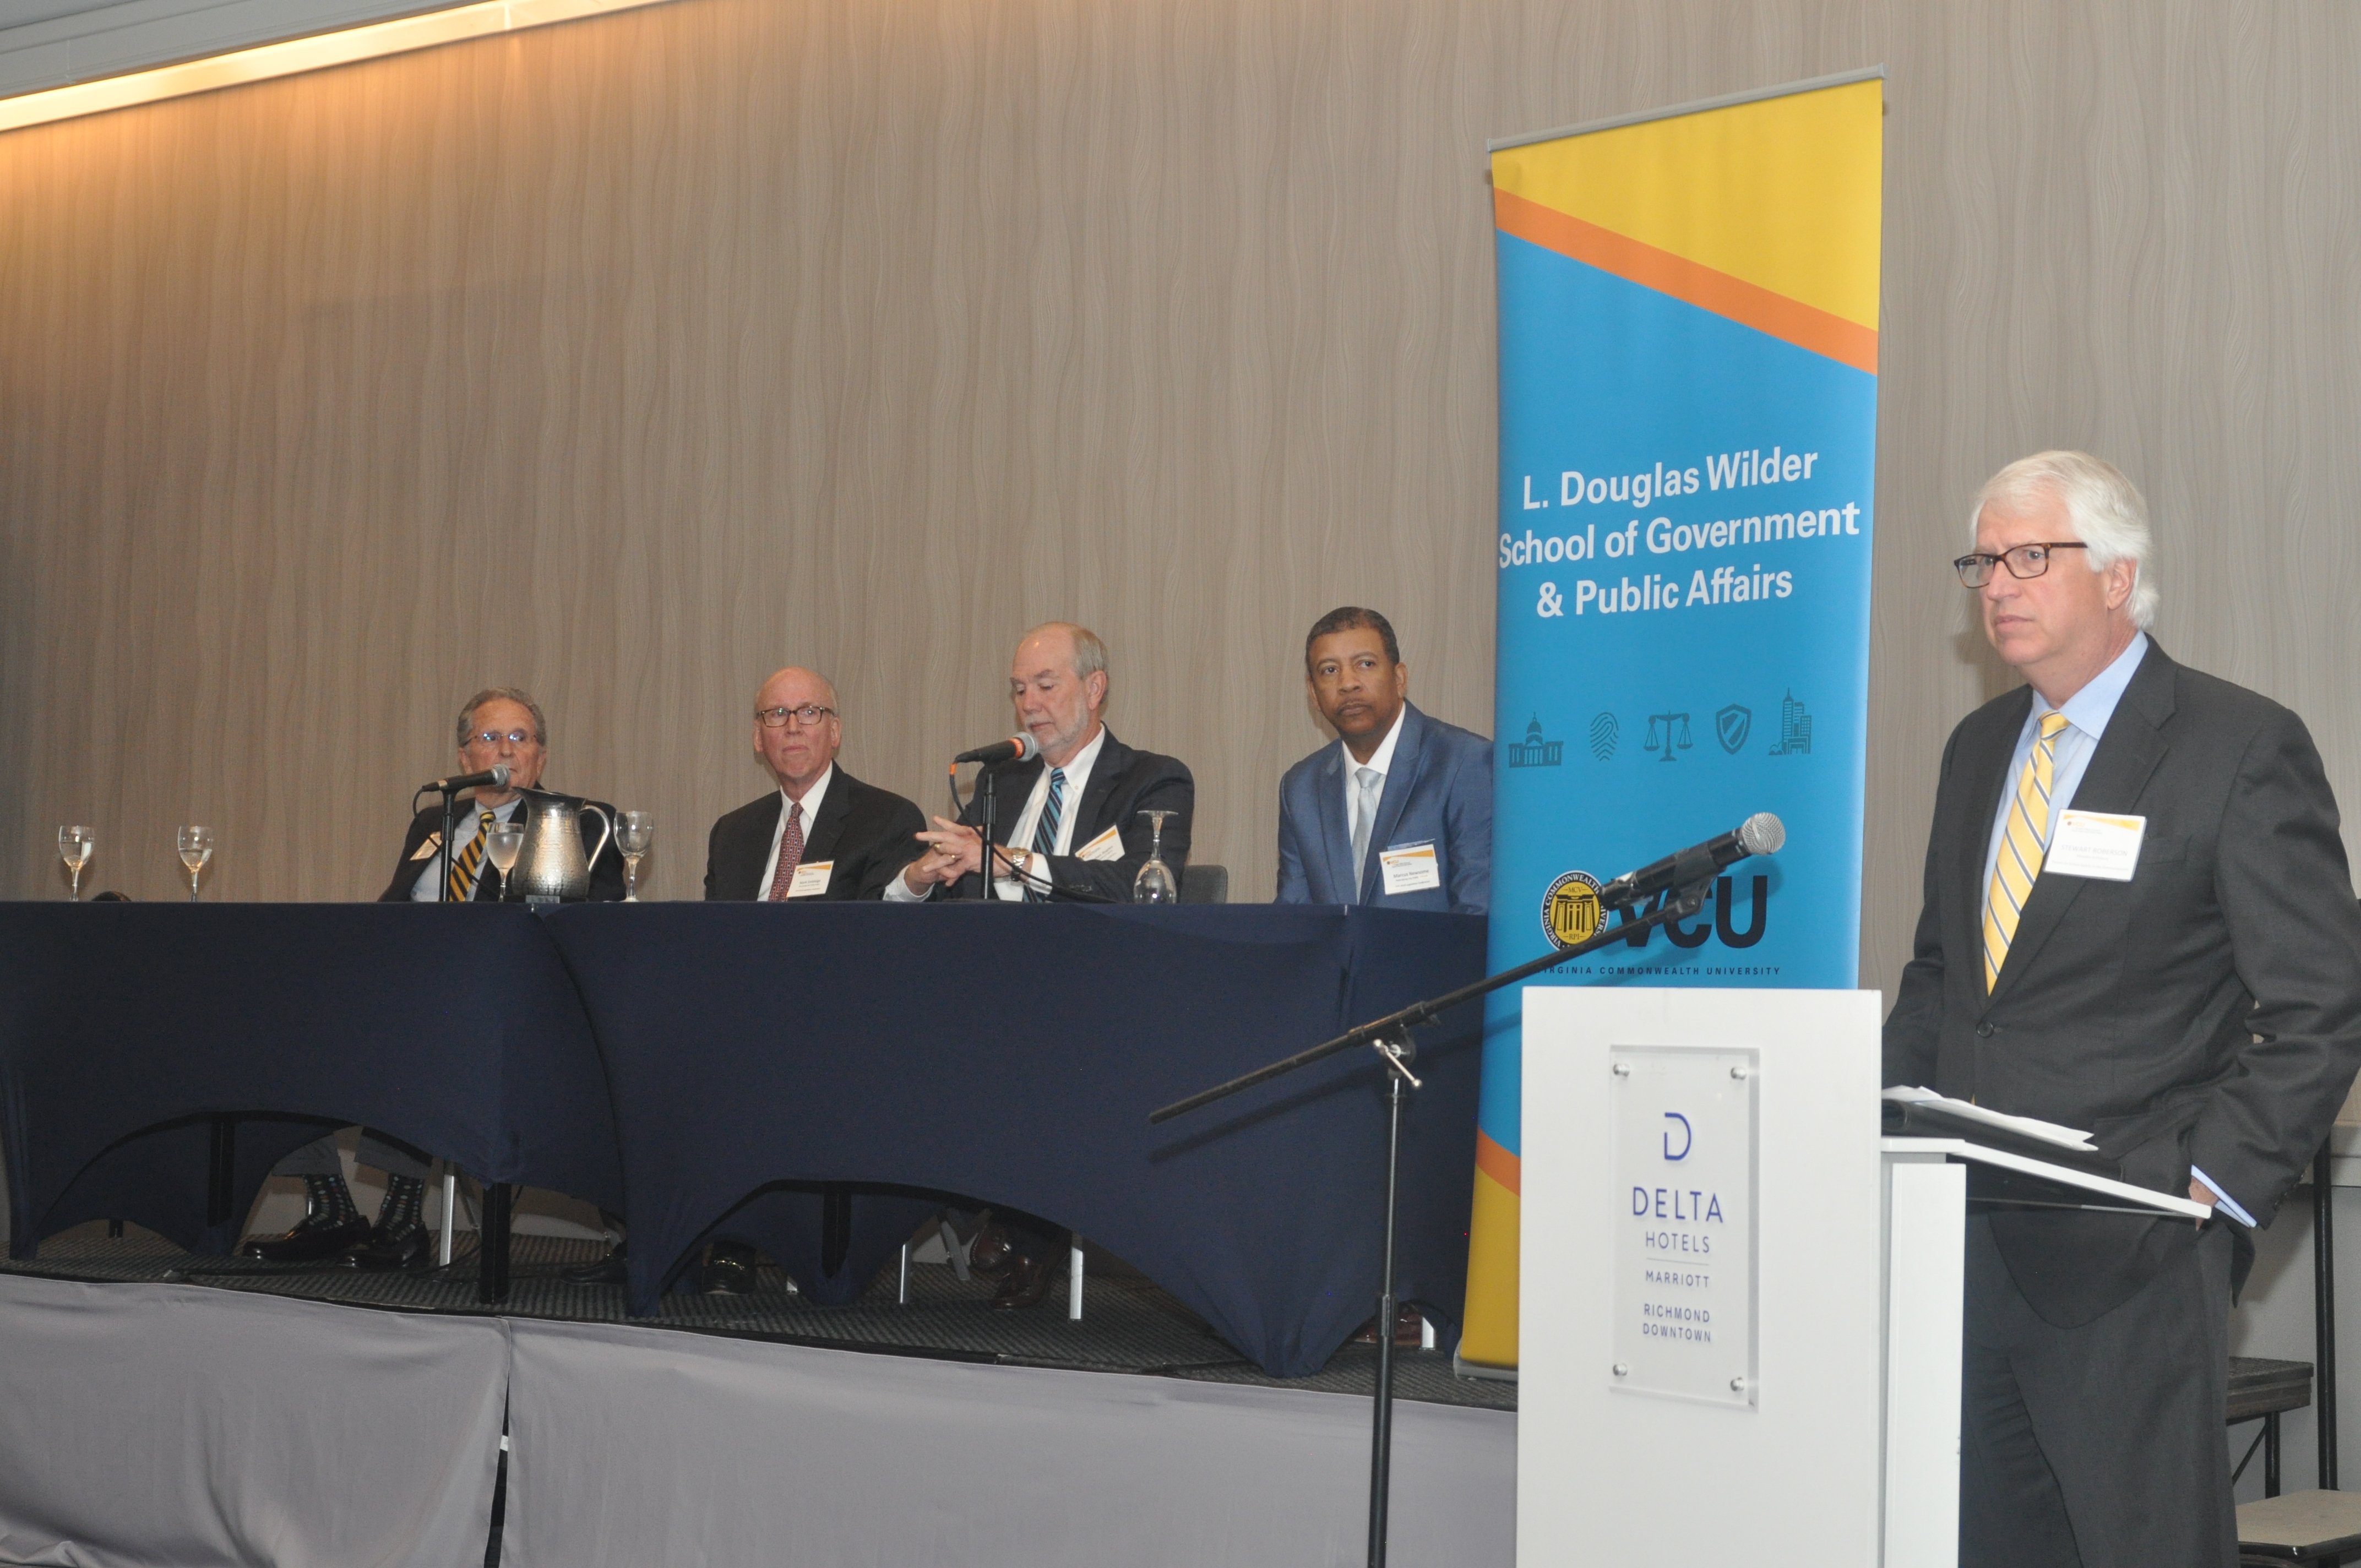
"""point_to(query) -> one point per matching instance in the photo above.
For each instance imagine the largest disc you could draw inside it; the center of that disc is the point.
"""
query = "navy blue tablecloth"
(1011, 1054)
(124, 1027)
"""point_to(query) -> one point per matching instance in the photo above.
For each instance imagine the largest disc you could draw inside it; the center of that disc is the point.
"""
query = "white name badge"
(1410, 868)
(2093, 844)
(1107, 845)
(427, 851)
(811, 879)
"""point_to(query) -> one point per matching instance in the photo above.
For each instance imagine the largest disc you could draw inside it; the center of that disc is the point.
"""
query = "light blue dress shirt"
(2087, 713)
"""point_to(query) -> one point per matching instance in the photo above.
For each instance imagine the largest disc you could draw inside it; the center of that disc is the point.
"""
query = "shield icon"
(1734, 724)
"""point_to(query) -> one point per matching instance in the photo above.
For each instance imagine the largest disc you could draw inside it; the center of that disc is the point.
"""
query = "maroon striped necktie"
(791, 852)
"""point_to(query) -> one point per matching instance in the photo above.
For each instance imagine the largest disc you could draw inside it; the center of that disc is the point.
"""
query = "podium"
(1740, 1304)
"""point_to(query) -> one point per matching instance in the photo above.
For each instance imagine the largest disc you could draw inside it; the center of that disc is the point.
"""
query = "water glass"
(75, 845)
(502, 847)
(196, 848)
(635, 835)
(1155, 883)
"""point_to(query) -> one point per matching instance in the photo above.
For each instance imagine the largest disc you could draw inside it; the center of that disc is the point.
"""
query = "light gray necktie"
(1365, 817)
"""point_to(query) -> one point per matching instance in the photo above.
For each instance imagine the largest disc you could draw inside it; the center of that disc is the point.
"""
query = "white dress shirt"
(1077, 770)
(810, 804)
(428, 888)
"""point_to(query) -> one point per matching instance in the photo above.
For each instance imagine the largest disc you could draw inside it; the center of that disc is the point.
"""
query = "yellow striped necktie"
(470, 861)
(2021, 846)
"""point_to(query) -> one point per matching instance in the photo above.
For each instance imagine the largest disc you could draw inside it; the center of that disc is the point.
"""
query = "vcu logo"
(1571, 913)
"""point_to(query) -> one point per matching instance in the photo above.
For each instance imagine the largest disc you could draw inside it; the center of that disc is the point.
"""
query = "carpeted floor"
(1127, 1324)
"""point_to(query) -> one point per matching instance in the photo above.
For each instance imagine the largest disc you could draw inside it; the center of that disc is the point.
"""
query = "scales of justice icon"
(1668, 733)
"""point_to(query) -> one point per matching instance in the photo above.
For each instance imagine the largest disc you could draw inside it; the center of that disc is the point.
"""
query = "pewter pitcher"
(550, 865)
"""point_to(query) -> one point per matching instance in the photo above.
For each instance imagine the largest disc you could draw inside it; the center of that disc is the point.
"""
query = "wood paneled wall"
(628, 360)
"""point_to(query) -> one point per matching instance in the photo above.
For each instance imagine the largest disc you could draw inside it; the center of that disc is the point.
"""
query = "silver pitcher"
(551, 867)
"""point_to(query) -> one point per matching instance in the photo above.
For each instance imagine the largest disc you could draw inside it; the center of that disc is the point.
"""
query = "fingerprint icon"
(1603, 735)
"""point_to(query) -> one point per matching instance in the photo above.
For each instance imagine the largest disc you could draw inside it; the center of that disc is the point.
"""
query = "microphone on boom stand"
(1761, 833)
(1016, 748)
(1021, 747)
(496, 775)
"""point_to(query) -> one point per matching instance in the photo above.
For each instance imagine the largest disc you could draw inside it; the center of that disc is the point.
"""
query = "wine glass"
(1155, 884)
(502, 845)
(635, 835)
(196, 848)
(75, 845)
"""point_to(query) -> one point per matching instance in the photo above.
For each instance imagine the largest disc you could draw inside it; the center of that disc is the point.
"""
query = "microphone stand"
(1389, 1037)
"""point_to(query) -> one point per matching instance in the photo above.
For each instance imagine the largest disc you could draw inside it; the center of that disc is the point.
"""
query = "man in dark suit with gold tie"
(2138, 922)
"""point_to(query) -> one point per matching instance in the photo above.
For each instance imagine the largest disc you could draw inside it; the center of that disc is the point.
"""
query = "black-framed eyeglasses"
(2023, 560)
(809, 714)
(494, 737)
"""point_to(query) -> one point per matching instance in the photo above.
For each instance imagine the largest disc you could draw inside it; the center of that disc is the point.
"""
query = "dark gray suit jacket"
(2208, 1012)
(1124, 783)
(869, 834)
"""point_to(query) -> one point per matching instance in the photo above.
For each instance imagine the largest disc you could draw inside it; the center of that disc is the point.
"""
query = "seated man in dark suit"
(821, 834)
(1073, 814)
(1399, 812)
(499, 726)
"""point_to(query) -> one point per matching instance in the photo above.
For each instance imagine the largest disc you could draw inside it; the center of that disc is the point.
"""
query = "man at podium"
(2138, 921)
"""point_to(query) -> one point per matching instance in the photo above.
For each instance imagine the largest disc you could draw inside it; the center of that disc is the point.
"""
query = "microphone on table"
(1016, 748)
(497, 776)
(1761, 833)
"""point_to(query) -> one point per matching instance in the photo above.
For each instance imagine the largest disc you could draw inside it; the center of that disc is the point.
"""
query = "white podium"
(1740, 1306)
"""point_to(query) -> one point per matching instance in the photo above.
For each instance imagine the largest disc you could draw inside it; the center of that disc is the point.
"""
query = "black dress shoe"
(402, 1246)
(730, 1269)
(1027, 1284)
(613, 1269)
(315, 1237)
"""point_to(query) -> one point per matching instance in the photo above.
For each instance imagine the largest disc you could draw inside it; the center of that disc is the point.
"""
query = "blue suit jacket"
(1438, 791)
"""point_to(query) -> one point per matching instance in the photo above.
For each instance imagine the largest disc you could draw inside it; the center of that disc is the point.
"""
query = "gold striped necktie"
(470, 861)
(2022, 845)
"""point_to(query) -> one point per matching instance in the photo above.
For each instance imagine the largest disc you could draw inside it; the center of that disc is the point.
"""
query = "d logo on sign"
(1689, 1136)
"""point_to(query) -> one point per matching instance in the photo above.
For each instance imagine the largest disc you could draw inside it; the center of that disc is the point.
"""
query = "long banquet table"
(810, 1080)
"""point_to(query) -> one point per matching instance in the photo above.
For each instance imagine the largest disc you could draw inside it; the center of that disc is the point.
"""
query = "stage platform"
(725, 1429)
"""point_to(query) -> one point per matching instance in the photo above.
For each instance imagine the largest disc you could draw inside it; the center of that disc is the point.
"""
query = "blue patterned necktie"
(1045, 833)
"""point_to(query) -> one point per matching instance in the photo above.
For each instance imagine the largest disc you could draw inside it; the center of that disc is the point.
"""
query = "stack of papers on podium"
(2023, 1126)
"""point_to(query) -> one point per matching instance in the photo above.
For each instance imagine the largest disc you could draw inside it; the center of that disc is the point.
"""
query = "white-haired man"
(2138, 921)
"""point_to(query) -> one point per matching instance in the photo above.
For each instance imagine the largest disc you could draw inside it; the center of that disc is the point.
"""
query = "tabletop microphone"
(497, 776)
(1761, 833)
(1016, 748)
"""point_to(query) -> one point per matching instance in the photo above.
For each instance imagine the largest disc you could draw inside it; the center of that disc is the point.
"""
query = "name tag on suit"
(1410, 868)
(811, 879)
(2093, 844)
(427, 851)
(1107, 845)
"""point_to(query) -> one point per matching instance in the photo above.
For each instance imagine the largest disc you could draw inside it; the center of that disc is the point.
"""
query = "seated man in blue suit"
(1399, 812)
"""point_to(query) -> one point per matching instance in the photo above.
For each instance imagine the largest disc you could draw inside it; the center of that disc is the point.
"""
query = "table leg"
(492, 1254)
(1074, 1277)
(835, 1229)
(902, 1298)
(2271, 1454)
(221, 1174)
(450, 1214)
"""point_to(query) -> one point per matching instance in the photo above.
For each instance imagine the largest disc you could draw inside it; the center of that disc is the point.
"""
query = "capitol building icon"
(1535, 752)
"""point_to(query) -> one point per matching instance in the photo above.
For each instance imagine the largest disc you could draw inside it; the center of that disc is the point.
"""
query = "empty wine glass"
(1155, 884)
(75, 845)
(196, 848)
(635, 836)
(502, 847)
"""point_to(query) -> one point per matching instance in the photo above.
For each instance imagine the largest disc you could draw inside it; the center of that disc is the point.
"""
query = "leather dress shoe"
(402, 1246)
(730, 1269)
(991, 1254)
(612, 1269)
(315, 1236)
(1409, 1330)
(1029, 1282)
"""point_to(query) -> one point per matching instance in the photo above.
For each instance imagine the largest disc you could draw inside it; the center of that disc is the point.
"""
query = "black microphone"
(497, 776)
(1761, 833)
(1016, 748)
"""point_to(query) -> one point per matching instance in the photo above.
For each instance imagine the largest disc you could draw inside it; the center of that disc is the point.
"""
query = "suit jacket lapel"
(1335, 834)
(2127, 757)
(821, 834)
(1401, 777)
(1115, 761)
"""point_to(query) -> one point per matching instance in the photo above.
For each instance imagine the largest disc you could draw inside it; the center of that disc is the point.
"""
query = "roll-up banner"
(1688, 432)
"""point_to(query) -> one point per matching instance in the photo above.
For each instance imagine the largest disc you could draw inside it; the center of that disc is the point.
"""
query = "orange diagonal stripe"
(1499, 1164)
(1848, 343)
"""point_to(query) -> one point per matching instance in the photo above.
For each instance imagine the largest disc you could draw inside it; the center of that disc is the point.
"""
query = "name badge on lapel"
(427, 851)
(1410, 868)
(811, 879)
(1107, 845)
(2093, 844)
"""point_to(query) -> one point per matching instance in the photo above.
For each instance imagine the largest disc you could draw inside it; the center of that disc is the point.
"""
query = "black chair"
(1204, 884)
